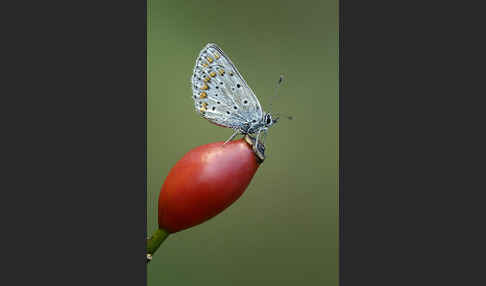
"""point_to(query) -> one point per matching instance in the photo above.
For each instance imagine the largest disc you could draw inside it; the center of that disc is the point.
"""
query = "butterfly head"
(268, 120)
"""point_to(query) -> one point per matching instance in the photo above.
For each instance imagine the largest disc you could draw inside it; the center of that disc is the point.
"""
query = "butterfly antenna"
(277, 116)
(280, 80)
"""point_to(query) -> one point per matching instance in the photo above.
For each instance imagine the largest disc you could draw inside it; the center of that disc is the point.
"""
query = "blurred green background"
(284, 228)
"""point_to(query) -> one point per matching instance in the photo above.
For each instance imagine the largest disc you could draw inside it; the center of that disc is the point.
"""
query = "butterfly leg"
(232, 137)
(256, 141)
(265, 133)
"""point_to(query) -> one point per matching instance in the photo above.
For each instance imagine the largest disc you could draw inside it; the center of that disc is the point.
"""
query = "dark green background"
(284, 228)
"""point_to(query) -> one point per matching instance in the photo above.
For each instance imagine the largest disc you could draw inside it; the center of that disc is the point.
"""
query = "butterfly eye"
(268, 119)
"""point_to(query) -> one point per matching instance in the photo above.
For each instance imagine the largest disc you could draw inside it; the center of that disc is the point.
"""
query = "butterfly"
(222, 96)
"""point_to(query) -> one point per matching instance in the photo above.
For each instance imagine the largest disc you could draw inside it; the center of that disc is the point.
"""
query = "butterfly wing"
(220, 93)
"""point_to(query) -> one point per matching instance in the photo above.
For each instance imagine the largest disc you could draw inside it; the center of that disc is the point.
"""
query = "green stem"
(155, 241)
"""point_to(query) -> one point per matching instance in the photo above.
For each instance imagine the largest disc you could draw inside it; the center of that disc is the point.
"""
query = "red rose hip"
(206, 181)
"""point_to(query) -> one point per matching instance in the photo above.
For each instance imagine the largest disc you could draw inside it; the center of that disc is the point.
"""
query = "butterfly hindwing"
(220, 93)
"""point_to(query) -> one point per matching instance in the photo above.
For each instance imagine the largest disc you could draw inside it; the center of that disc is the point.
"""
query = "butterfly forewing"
(220, 93)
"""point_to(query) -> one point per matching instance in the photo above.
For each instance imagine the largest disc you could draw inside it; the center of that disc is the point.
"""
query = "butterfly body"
(222, 96)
